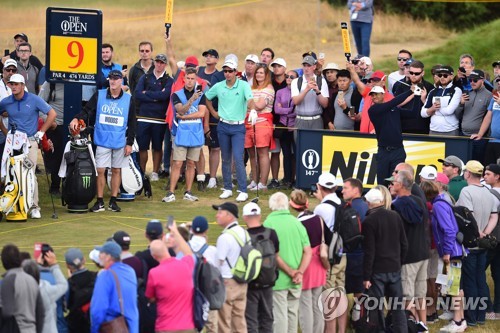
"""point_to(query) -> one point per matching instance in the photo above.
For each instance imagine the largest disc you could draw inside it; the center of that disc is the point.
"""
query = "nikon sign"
(352, 154)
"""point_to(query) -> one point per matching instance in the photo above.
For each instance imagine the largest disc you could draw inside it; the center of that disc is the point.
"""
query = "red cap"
(378, 74)
(191, 61)
(441, 177)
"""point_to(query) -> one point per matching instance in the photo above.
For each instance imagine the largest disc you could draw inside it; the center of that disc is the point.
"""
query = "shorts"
(277, 148)
(336, 275)
(414, 279)
(212, 140)
(432, 268)
(354, 273)
(263, 135)
(153, 133)
(110, 158)
(180, 153)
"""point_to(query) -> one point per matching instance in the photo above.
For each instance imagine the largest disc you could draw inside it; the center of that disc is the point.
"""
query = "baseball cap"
(453, 160)
(16, 78)
(377, 90)
(445, 69)
(441, 177)
(331, 65)
(374, 196)
(310, 53)
(116, 74)
(326, 179)
(253, 58)
(22, 35)
(366, 60)
(199, 225)
(476, 74)
(111, 248)
(229, 206)
(409, 62)
(74, 257)
(495, 63)
(231, 56)
(161, 57)
(251, 209)
(191, 61)
(10, 62)
(428, 172)
(279, 61)
(377, 75)
(474, 167)
(230, 63)
(154, 229)
(495, 168)
(212, 52)
(121, 238)
(309, 60)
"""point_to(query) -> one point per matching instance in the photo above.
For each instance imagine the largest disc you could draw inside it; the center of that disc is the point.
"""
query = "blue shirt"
(24, 112)
(494, 108)
(104, 305)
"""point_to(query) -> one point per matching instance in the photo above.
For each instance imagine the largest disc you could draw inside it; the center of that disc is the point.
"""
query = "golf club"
(256, 165)
(54, 214)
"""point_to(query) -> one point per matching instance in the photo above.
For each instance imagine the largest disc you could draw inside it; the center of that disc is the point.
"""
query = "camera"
(461, 69)
(355, 61)
(198, 88)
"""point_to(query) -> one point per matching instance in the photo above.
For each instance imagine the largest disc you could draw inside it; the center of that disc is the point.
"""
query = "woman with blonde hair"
(260, 135)
(387, 196)
(314, 278)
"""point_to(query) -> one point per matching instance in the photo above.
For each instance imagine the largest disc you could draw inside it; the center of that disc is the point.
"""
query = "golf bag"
(19, 172)
(132, 177)
(78, 173)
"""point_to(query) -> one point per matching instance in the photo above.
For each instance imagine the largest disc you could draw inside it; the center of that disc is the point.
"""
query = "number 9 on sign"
(73, 54)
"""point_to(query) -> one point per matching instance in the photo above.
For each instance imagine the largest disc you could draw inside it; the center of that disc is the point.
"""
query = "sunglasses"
(473, 80)
(442, 75)
(144, 51)
(12, 70)
(375, 79)
(402, 59)
(228, 70)
(290, 76)
(448, 165)
(415, 73)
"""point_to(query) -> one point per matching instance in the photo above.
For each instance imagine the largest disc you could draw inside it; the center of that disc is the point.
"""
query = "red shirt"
(171, 283)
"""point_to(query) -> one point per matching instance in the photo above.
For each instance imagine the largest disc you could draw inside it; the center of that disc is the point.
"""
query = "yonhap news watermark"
(333, 303)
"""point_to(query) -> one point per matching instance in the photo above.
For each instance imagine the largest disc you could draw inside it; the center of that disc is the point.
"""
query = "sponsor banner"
(351, 154)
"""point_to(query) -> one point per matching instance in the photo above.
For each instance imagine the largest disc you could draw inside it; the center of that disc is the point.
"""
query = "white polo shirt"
(327, 211)
(228, 248)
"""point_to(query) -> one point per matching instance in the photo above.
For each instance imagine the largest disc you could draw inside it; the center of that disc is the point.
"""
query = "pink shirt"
(171, 283)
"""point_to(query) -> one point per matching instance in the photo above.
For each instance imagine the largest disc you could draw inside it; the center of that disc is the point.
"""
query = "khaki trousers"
(231, 317)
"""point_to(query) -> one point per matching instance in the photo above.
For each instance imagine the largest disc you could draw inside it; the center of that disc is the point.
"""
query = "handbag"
(323, 248)
(119, 324)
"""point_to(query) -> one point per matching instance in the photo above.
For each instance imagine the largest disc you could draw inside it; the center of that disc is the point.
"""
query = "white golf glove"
(252, 117)
(38, 136)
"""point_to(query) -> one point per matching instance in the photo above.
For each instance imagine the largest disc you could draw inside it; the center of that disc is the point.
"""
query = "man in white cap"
(427, 173)
(9, 69)
(234, 96)
(23, 108)
(259, 310)
(385, 247)
(251, 62)
(386, 118)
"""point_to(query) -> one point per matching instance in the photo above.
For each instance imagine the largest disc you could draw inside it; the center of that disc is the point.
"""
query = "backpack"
(209, 280)
(269, 268)
(249, 262)
(319, 82)
(364, 318)
(467, 225)
(147, 310)
(78, 318)
(347, 225)
(201, 307)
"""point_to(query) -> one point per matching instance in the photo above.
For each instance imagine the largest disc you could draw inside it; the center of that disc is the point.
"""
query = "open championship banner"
(352, 154)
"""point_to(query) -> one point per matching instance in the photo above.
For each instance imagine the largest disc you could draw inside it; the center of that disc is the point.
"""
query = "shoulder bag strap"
(120, 298)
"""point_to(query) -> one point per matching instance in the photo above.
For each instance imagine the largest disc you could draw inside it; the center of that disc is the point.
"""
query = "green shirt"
(456, 185)
(232, 101)
(293, 239)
